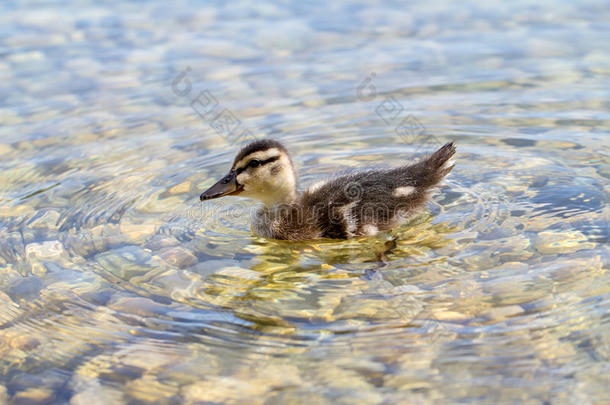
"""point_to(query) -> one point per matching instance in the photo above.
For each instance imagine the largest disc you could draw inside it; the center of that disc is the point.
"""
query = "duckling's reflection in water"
(289, 266)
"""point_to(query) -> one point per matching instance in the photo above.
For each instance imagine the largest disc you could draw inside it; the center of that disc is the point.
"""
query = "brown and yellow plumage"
(363, 202)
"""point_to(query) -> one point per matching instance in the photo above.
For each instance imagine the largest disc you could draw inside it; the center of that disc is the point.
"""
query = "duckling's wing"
(365, 202)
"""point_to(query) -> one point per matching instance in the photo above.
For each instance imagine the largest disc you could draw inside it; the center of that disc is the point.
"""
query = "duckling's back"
(367, 202)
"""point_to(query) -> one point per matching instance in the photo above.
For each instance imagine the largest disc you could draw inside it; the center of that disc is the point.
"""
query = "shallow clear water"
(118, 286)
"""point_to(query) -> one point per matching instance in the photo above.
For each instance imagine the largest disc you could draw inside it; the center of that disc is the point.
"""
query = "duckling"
(361, 203)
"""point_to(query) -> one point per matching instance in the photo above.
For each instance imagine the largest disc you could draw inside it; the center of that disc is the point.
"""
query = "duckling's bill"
(228, 185)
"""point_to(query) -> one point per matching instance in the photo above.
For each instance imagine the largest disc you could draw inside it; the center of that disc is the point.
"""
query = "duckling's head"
(262, 170)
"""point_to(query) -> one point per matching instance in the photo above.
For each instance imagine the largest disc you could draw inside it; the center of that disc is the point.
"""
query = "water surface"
(118, 286)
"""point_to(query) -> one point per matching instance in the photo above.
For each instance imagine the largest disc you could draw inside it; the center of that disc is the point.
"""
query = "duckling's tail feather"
(433, 169)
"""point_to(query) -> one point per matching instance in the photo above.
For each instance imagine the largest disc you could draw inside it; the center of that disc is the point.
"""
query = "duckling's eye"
(254, 163)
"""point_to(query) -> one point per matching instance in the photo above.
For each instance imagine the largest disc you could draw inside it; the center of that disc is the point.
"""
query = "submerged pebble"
(221, 389)
(138, 233)
(33, 396)
(44, 251)
(498, 314)
(138, 306)
(98, 395)
(551, 242)
(178, 256)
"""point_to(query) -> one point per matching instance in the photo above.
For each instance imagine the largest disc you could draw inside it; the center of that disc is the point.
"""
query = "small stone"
(26, 288)
(150, 390)
(33, 396)
(224, 390)
(138, 306)
(24, 342)
(342, 378)
(86, 374)
(147, 356)
(361, 364)
(394, 305)
(162, 205)
(330, 301)
(513, 266)
(45, 250)
(126, 262)
(181, 188)
(499, 314)
(98, 297)
(541, 48)
(137, 233)
(16, 211)
(159, 242)
(9, 310)
(23, 57)
(207, 268)
(281, 375)
(570, 273)
(272, 374)
(108, 233)
(4, 148)
(239, 273)
(549, 348)
(177, 284)
(98, 395)
(48, 220)
(3, 395)
(361, 308)
(550, 242)
(449, 316)
(86, 242)
(179, 257)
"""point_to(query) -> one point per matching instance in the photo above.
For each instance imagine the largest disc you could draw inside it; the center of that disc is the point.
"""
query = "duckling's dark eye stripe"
(260, 163)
